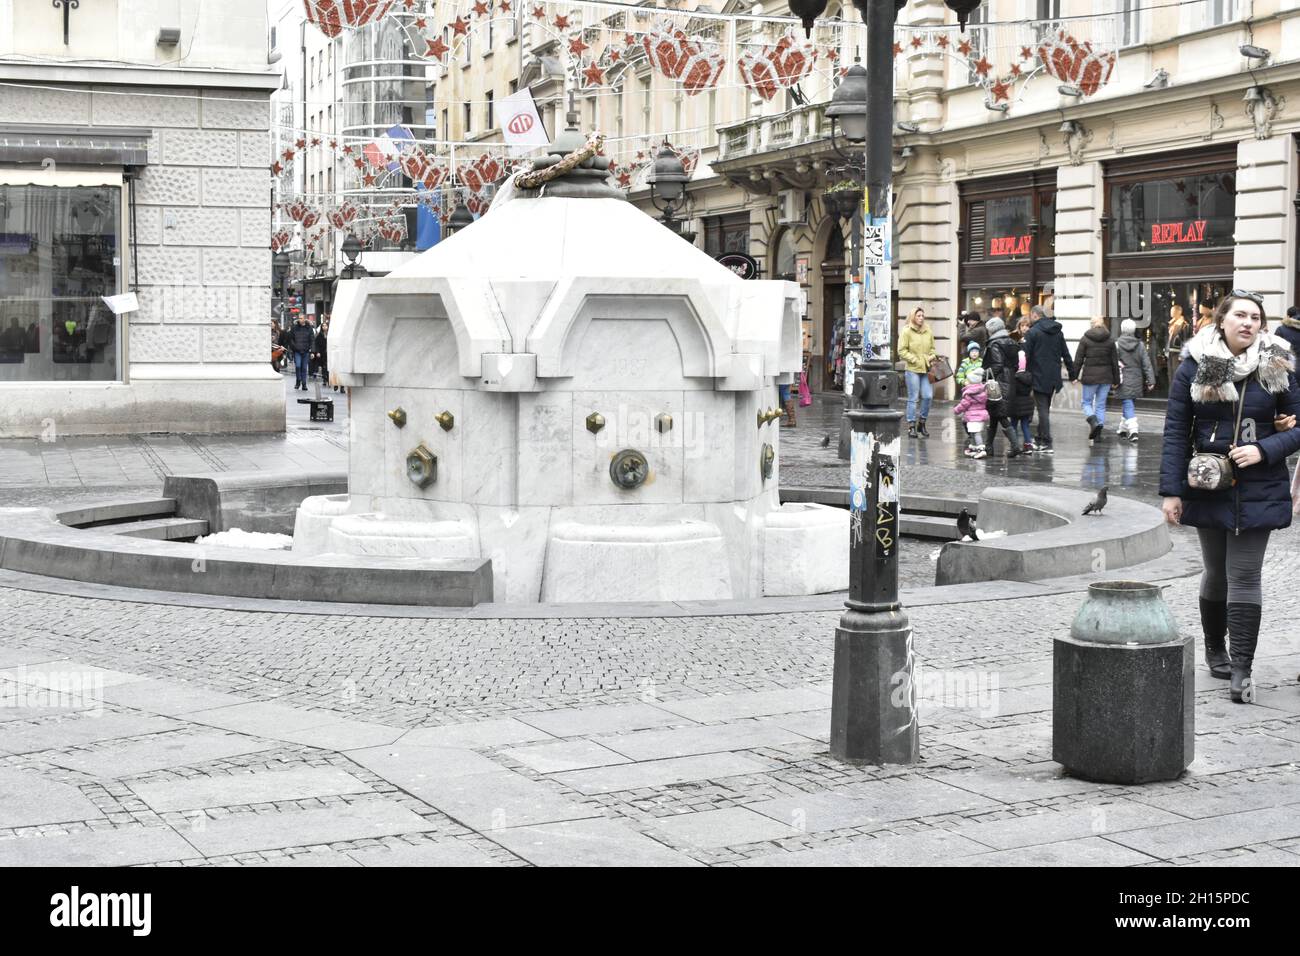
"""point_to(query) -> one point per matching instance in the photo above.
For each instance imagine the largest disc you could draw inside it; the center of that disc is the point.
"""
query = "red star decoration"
(640, 154)
(982, 66)
(834, 55)
(315, 140)
(460, 27)
(480, 8)
(594, 74)
(964, 47)
(943, 40)
(505, 6)
(561, 22)
(615, 56)
(421, 23)
(576, 46)
(436, 48)
(916, 43)
(347, 150)
(301, 143)
(276, 169)
(359, 163)
(334, 144)
(368, 179)
(628, 39)
(844, 71)
(625, 180)
(287, 155)
(408, 3)
(1015, 69)
(1000, 91)
(539, 13)
(898, 48)
(1026, 53)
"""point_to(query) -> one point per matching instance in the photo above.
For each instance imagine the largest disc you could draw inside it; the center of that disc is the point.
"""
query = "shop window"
(1173, 214)
(59, 254)
(724, 234)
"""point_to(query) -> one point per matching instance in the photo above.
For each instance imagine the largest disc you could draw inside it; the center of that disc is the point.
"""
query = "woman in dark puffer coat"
(1232, 360)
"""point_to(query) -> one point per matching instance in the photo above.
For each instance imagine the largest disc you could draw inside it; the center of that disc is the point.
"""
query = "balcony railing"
(762, 133)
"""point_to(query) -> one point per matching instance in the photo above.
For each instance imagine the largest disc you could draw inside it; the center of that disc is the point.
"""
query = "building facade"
(133, 159)
(1144, 190)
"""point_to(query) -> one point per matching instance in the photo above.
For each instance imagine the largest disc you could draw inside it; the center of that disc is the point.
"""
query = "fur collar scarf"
(1269, 359)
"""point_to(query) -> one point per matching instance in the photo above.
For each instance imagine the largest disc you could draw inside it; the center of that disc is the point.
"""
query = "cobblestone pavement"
(144, 734)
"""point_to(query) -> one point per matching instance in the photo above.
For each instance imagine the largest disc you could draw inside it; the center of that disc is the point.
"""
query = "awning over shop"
(74, 145)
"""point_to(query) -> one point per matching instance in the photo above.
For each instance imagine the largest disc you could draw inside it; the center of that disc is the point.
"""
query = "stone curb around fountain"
(1048, 536)
(34, 541)
(1167, 568)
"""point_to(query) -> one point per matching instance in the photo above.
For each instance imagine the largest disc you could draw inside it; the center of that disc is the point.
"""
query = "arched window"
(783, 259)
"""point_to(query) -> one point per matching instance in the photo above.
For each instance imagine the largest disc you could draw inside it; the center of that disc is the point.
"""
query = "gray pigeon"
(966, 526)
(826, 442)
(1096, 504)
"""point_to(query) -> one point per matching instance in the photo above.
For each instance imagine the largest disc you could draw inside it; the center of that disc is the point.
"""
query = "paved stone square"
(136, 733)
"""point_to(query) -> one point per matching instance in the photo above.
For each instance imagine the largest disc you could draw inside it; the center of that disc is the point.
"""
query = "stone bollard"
(1122, 683)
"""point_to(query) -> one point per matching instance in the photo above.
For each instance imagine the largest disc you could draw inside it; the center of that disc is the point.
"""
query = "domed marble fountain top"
(568, 388)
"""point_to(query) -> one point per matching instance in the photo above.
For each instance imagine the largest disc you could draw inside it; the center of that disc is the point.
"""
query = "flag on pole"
(520, 123)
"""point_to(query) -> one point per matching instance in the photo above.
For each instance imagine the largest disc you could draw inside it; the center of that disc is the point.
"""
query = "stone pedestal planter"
(1122, 683)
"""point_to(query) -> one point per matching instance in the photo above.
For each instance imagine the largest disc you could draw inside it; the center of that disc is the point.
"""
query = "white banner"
(520, 123)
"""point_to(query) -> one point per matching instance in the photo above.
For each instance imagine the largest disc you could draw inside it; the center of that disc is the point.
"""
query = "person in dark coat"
(975, 331)
(1232, 368)
(1289, 329)
(1000, 363)
(1045, 350)
(301, 336)
(320, 351)
(1096, 364)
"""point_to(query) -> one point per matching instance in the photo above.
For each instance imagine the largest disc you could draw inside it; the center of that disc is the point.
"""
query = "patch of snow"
(256, 540)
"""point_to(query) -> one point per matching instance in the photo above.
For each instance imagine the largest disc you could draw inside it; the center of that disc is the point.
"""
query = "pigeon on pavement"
(1096, 504)
(826, 442)
(966, 526)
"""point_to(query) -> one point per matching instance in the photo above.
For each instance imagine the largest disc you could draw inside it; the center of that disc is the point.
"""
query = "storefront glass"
(1007, 304)
(59, 254)
(1174, 214)
(1192, 301)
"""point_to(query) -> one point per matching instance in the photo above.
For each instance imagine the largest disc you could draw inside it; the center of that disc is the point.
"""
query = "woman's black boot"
(1243, 635)
(1214, 625)
(921, 429)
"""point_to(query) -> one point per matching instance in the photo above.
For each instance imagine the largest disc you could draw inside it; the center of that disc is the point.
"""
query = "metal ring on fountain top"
(629, 469)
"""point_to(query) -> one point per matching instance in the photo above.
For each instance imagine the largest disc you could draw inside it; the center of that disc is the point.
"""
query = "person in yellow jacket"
(916, 349)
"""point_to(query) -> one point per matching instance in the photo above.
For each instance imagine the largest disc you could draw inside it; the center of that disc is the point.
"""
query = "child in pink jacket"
(974, 411)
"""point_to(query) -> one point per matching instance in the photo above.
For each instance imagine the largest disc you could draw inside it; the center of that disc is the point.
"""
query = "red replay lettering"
(1166, 233)
(1009, 246)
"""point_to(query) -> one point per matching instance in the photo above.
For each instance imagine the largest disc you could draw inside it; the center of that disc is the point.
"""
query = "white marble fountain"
(568, 388)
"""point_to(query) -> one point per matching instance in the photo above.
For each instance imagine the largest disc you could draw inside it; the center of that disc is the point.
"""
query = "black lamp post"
(667, 181)
(352, 253)
(873, 699)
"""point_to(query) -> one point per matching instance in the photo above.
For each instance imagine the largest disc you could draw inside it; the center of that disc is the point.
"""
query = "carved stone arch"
(697, 344)
(364, 319)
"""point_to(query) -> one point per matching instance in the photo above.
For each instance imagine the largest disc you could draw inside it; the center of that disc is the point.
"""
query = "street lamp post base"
(873, 700)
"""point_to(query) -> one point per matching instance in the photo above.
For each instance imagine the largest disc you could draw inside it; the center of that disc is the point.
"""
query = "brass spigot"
(398, 415)
(447, 420)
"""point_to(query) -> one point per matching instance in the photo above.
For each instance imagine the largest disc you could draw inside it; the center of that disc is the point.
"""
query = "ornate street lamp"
(873, 698)
(352, 253)
(848, 111)
(667, 181)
